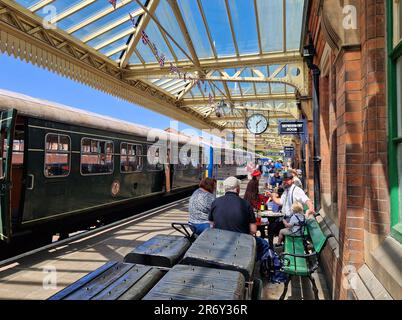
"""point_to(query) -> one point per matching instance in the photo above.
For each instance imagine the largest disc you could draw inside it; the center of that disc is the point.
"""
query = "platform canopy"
(208, 63)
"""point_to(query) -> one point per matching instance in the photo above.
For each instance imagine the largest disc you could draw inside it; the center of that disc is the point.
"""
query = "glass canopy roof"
(191, 50)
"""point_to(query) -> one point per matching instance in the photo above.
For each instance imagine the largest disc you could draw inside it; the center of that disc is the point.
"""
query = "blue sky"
(22, 77)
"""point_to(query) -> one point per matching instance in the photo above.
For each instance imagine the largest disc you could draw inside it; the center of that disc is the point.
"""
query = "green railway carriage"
(61, 167)
(60, 163)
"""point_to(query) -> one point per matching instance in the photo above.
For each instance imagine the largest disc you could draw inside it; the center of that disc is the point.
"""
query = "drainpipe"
(316, 131)
(309, 53)
(303, 156)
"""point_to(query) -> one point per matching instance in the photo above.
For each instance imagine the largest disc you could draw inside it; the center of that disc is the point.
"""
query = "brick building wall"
(353, 134)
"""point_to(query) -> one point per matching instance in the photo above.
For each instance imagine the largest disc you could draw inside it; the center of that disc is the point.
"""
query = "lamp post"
(308, 54)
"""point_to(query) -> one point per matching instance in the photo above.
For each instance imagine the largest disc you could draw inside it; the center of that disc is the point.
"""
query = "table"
(271, 214)
(262, 226)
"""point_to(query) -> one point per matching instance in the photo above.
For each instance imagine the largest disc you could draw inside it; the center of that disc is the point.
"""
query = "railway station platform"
(314, 83)
(26, 277)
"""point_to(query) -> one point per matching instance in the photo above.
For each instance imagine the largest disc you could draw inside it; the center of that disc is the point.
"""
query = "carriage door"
(7, 125)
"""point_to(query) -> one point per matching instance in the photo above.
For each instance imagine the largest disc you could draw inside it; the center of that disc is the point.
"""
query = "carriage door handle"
(31, 181)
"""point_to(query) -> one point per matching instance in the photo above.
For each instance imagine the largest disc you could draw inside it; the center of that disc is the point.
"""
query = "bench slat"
(317, 236)
(95, 286)
(297, 266)
(83, 281)
(131, 286)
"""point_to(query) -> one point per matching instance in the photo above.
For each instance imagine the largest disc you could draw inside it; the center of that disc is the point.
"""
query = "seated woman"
(200, 205)
(252, 191)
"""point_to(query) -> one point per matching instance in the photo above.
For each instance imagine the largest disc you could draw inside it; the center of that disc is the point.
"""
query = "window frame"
(147, 164)
(69, 155)
(394, 140)
(113, 154)
(140, 157)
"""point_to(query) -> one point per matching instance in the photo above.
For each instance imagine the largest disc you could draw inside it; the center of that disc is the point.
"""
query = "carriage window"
(57, 155)
(18, 152)
(96, 156)
(153, 158)
(130, 157)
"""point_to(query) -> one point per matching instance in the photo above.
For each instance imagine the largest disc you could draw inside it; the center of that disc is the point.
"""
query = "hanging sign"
(274, 154)
(289, 152)
(291, 127)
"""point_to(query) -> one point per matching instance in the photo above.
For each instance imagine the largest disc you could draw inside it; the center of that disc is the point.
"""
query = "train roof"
(43, 109)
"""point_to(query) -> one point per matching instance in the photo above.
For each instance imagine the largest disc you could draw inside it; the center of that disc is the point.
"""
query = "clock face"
(257, 124)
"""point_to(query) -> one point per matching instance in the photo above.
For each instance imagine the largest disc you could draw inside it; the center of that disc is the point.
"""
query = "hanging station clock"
(257, 123)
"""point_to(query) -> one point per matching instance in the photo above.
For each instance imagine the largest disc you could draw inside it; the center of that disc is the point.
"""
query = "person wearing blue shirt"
(276, 179)
(278, 165)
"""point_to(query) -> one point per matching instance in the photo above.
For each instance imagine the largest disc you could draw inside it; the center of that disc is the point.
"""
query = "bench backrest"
(316, 234)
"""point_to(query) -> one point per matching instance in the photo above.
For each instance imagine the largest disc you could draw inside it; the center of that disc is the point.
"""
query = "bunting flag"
(162, 60)
(173, 69)
(113, 3)
(210, 99)
(144, 38)
(132, 19)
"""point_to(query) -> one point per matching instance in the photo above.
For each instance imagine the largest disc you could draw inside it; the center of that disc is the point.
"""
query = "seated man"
(233, 213)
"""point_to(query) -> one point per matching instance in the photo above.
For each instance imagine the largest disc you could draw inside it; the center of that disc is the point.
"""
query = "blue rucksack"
(271, 265)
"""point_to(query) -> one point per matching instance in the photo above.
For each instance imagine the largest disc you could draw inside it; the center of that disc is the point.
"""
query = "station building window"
(395, 114)
(57, 155)
(130, 157)
(96, 156)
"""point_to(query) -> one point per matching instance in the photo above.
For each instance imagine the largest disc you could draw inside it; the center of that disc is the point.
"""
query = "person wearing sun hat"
(291, 195)
(252, 191)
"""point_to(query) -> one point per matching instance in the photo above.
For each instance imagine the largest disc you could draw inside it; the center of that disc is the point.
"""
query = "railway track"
(30, 243)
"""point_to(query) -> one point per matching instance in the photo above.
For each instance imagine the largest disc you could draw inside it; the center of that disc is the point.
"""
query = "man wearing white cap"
(231, 212)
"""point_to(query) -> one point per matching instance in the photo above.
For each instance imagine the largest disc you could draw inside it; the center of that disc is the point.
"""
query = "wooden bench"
(113, 281)
(184, 282)
(301, 254)
(218, 265)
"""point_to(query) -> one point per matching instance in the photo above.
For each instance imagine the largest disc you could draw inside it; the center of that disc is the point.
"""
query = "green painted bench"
(301, 254)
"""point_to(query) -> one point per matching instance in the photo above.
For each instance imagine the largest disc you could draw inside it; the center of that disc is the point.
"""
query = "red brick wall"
(353, 138)
(376, 203)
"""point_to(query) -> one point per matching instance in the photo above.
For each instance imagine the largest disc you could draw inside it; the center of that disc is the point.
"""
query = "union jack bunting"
(113, 3)
(161, 60)
(144, 37)
(174, 69)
